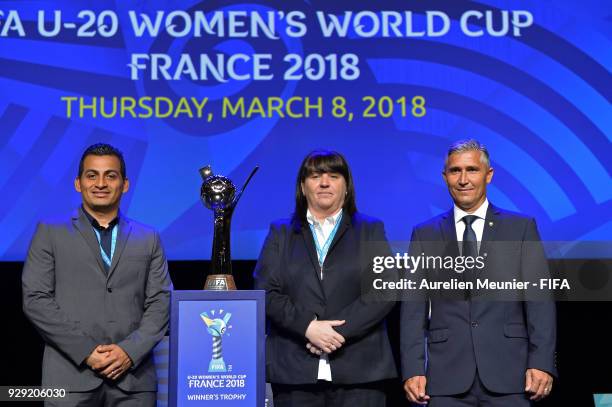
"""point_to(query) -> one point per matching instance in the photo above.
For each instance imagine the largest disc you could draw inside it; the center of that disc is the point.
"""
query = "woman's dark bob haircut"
(323, 161)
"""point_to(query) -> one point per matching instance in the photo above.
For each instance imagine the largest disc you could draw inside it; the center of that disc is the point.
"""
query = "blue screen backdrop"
(539, 101)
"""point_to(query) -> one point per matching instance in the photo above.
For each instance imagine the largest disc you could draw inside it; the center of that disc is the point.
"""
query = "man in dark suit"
(470, 348)
(96, 287)
(326, 345)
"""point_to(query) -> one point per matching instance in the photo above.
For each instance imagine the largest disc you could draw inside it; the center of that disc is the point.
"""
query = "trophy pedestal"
(220, 282)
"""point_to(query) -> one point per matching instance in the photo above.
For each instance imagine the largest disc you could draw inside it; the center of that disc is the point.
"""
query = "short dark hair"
(323, 161)
(103, 149)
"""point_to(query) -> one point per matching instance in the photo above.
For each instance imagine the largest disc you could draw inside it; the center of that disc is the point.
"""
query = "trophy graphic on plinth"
(217, 328)
(219, 194)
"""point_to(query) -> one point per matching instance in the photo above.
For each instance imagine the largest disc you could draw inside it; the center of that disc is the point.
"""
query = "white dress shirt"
(477, 225)
(322, 232)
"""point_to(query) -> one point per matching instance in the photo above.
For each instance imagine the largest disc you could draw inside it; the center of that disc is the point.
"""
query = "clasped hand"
(322, 337)
(109, 361)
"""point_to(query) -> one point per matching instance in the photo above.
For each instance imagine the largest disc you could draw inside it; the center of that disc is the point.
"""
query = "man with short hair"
(96, 287)
(467, 349)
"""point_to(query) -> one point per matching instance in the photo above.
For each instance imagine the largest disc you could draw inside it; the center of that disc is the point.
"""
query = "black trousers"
(479, 396)
(326, 394)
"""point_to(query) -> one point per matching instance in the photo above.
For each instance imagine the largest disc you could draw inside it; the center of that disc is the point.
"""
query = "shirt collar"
(481, 212)
(97, 225)
(330, 219)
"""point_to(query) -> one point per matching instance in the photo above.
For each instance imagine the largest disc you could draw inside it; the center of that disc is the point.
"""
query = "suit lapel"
(489, 232)
(125, 227)
(312, 252)
(80, 222)
(345, 222)
(449, 234)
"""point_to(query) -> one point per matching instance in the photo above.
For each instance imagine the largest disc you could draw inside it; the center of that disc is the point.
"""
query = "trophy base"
(220, 282)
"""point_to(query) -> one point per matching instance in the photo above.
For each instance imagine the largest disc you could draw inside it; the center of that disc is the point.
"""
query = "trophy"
(219, 194)
(217, 328)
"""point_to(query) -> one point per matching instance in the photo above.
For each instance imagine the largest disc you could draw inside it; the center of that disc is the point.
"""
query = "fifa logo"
(217, 284)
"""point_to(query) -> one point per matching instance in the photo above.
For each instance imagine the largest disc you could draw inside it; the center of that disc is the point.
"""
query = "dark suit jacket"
(76, 306)
(288, 270)
(500, 338)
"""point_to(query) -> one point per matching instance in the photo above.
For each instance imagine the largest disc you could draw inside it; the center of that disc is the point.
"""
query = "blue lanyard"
(107, 260)
(322, 251)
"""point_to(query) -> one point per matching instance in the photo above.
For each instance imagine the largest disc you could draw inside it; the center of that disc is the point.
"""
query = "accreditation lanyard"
(322, 251)
(107, 260)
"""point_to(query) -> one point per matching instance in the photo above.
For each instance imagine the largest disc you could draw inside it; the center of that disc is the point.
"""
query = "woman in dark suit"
(326, 345)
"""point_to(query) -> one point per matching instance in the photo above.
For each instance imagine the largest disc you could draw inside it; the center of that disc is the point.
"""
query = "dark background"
(584, 353)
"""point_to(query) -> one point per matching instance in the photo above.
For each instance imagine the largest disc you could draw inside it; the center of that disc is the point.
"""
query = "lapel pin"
(491, 224)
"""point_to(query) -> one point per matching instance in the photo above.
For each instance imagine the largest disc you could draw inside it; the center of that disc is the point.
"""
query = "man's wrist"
(85, 360)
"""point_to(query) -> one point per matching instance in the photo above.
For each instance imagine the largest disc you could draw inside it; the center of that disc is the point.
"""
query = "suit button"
(109, 289)
(474, 324)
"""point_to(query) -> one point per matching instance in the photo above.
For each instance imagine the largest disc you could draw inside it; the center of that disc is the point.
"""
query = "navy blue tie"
(470, 242)
(470, 248)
